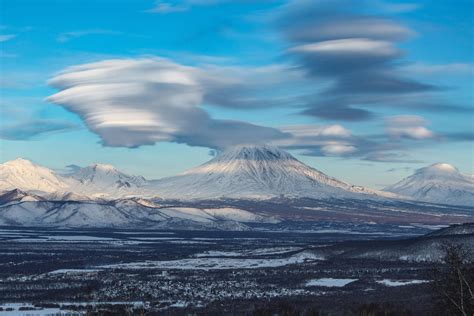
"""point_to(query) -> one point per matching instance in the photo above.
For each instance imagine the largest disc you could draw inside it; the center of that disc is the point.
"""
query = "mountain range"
(240, 186)
(242, 172)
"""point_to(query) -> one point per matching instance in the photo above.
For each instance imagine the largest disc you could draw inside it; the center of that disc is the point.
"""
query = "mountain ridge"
(241, 172)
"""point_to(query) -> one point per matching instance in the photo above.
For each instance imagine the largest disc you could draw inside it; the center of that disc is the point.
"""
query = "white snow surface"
(438, 183)
(218, 263)
(388, 282)
(329, 282)
(120, 213)
(249, 252)
(257, 172)
(24, 175)
(92, 182)
(251, 172)
(101, 180)
(241, 172)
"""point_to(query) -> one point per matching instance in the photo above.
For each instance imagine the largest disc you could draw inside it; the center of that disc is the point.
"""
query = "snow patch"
(330, 282)
(218, 263)
(388, 282)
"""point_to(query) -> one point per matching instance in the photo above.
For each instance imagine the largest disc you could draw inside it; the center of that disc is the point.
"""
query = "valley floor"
(240, 273)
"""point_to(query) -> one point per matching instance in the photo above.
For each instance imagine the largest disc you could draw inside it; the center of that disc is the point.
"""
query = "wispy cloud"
(319, 140)
(405, 169)
(359, 53)
(6, 37)
(408, 126)
(67, 36)
(7, 55)
(440, 69)
(35, 128)
(164, 7)
(135, 102)
(401, 7)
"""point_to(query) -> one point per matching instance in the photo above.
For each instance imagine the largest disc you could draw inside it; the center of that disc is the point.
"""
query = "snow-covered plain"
(250, 252)
(388, 282)
(218, 263)
(329, 282)
(74, 271)
(13, 309)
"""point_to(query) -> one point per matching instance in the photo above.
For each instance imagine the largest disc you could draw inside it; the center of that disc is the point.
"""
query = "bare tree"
(453, 282)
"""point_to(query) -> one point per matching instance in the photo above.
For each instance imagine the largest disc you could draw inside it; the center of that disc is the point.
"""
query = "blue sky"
(366, 91)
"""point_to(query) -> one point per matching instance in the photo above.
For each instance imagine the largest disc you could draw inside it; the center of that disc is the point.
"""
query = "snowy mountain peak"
(24, 175)
(98, 172)
(250, 171)
(440, 172)
(19, 162)
(255, 153)
(103, 167)
(439, 168)
(101, 180)
(97, 180)
(438, 183)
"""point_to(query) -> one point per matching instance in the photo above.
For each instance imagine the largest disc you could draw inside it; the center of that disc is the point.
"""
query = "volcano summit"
(257, 172)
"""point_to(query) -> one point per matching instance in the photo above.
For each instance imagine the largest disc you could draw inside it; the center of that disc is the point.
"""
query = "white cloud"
(357, 27)
(133, 102)
(326, 140)
(335, 149)
(335, 130)
(164, 7)
(350, 46)
(408, 126)
(67, 36)
(440, 69)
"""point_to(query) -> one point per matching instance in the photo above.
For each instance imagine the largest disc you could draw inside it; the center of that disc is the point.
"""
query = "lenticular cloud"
(134, 102)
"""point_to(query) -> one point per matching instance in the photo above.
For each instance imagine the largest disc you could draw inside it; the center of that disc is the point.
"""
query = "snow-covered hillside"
(247, 172)
(101, 180)
(242, 172)
(22, 209)
(96, 181)
(257, 172)
(22, 174)
(16, 196)
(438, 183)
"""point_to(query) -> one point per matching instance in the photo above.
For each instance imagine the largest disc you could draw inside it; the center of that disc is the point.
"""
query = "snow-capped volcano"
(438, 183)
(24, 175)
(255, 172)
(102, 196)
